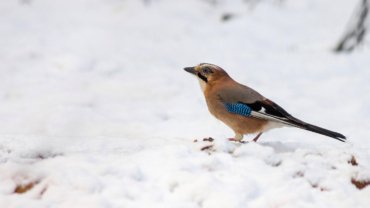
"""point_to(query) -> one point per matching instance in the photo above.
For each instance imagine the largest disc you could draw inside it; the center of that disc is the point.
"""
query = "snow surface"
(96, 110)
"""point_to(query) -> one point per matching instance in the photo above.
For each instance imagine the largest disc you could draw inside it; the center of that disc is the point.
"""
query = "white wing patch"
(272, 118)
(263, 110)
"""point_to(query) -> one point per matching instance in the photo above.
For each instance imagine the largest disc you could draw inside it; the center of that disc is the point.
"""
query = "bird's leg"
(238, 138)
(258, 136)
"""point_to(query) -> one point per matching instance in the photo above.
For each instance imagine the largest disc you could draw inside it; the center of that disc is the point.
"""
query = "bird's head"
(207, 73)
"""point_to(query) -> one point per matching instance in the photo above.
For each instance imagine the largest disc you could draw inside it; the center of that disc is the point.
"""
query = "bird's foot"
(237, 140)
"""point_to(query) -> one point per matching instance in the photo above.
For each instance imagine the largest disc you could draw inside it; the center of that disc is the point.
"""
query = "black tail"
(276, 113)
(309, 127)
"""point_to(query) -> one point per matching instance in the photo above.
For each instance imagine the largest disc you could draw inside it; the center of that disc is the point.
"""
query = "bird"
(242, 108)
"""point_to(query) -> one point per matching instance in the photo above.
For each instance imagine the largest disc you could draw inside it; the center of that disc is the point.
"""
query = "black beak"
(190, 70)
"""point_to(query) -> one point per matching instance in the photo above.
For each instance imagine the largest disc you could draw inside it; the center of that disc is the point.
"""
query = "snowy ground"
(96, 110)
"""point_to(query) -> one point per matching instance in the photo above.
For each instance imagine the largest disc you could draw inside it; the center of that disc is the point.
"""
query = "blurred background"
(115, 67)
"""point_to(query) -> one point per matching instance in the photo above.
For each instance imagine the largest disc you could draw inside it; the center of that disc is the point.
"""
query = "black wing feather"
(270, 108)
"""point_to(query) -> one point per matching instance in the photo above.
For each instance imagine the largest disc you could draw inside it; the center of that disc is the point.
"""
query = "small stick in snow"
(209, 139)
(208, 147)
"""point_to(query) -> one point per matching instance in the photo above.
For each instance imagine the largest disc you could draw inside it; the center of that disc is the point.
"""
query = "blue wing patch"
(238, 108)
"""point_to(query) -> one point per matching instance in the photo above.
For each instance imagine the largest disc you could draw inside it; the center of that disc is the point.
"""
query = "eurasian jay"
(243, 109)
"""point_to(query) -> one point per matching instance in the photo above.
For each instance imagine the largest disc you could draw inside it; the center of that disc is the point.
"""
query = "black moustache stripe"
(202, 77)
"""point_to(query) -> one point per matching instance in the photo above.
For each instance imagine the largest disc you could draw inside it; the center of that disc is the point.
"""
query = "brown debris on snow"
(360, 184)
(209, 139)
(353, 161)
(23, 188)
(208, 147)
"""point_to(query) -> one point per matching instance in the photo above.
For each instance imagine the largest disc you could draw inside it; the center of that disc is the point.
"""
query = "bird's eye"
(207, 70)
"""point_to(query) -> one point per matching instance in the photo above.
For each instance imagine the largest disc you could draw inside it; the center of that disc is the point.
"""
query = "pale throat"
(202, 84)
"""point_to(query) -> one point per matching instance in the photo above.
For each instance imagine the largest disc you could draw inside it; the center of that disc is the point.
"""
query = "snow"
(97, 111)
